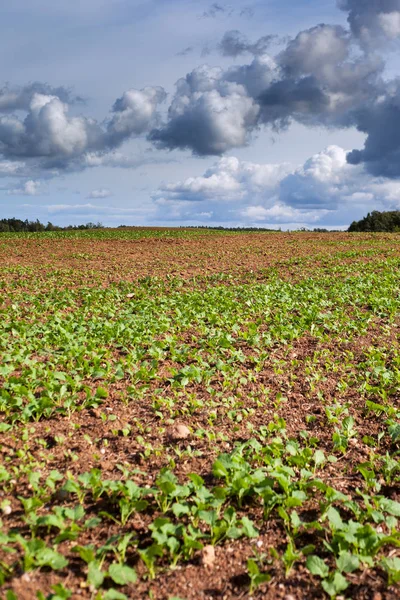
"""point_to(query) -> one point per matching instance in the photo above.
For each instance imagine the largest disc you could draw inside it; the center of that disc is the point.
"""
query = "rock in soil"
(208, 556)
(178, 432)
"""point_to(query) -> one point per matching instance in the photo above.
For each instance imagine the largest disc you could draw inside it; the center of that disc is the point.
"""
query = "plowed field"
(194, 414)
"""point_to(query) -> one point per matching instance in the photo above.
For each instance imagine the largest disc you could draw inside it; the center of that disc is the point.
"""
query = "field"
(195, 414)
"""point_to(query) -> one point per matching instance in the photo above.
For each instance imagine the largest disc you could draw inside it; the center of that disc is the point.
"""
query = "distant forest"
(375, 221)
(378, 221)
(11, 225)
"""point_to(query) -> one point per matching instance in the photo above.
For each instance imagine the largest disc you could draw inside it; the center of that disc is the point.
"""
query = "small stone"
(178, 432)
(259, 543)
(130, 295)
(290, 597)
(208, 556)
(377, 596)
(7, 510)
(26, 578)
(102, 450)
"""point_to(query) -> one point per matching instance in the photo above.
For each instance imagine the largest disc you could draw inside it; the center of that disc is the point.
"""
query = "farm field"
(194, 414)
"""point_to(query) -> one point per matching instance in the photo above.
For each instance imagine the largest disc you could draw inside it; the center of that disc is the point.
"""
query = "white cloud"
(325, 190)
(100, 193)
(51, 136)
(28, 188)
(120, 160)
(228, 179)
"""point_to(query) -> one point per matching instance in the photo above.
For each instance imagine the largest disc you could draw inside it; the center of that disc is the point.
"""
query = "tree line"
(17, 225)
(378, 221)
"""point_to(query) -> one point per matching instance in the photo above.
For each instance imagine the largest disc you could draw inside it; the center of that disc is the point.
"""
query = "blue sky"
(164, 112)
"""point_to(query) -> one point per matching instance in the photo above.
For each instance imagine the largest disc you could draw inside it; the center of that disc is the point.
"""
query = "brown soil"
(91, 441)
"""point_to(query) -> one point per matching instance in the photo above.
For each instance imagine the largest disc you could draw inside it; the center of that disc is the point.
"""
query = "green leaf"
(95, 575)
(394, 431)
(348, 562)
(334, 586)
(317, 566)
(86, 553)
(180, 509)
(334, 518)
(248, 528)
(234, 533)
(60, 592)
(114, 595)
(101, 393)
(122, 574)
(390, 506)
(252, 567)
(319, 458)
(50, 558)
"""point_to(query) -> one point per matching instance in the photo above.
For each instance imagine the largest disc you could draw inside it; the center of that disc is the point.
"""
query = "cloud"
(380, 120)
(226, 10)
(228, 179)
(54, 139)
(28, 188)
(9, 168)
(13, 98)
(280, 213)
(101, 193)
(185, 51)
(327, 75)
(234, 43)
(208, 114)
(216, 10)
(133, 114)
(319, 78)
(373, 21)
(324, 190)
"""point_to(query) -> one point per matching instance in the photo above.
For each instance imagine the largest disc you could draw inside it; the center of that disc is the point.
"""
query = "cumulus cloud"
(373, 21)
(380, 120)
(208, 114)
(28, 188)
(228, 179)
(318, 79)
(13, 98)
(133, 114)
(100, 193)
(324, 190)
(326, 75)
(55, 139)
(319, 182)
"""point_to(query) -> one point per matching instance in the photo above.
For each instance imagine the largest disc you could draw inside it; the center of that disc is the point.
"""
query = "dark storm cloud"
(381, 122)
(293, 98)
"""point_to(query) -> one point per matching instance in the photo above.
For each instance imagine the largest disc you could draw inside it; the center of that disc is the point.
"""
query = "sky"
(272, 113)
